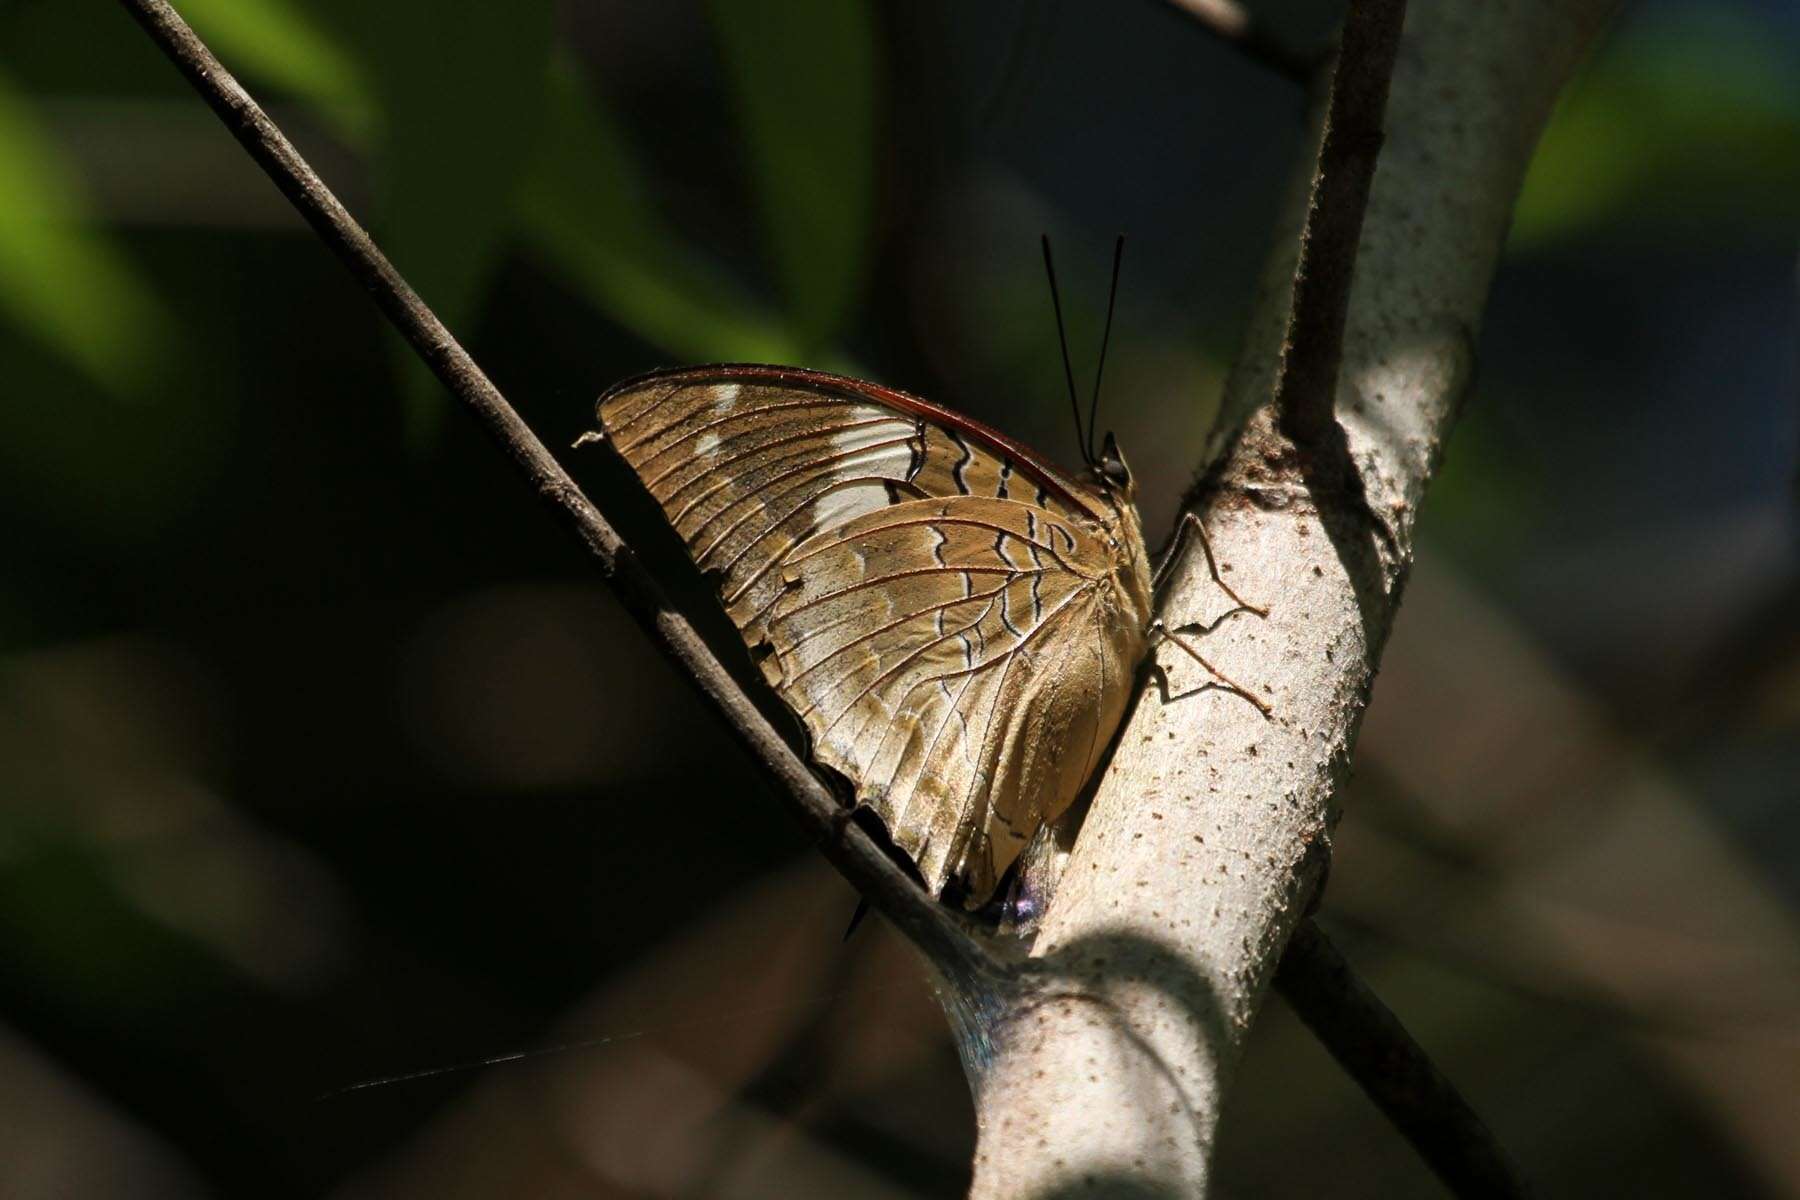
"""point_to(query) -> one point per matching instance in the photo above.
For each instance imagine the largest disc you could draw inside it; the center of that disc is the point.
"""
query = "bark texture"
(1103, 1072)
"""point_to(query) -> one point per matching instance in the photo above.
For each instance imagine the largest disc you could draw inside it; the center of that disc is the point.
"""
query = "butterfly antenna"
(1111, 295)
(1068, 372)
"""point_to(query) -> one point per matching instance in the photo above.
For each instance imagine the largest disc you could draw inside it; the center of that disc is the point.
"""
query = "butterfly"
(956, 622)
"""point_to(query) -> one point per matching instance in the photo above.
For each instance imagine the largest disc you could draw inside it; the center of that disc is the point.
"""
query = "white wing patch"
(848, 502)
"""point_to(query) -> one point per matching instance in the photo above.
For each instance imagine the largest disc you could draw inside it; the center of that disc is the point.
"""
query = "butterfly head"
(1111, 473)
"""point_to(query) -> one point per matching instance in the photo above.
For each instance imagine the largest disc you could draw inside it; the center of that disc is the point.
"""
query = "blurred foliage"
(462, 94)
(557, 171)
(87, 446)
(588, 211)
(1688, 121)
(803, 75)
(285, 44)
(62, 277)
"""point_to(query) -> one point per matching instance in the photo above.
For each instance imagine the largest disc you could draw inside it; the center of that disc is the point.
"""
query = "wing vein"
(885, 676)
(879, 580)
(893, 625)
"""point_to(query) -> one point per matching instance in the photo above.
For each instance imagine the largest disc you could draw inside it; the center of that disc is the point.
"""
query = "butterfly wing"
(935, 605)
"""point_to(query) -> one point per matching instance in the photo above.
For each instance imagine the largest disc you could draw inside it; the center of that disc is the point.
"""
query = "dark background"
(326, 756)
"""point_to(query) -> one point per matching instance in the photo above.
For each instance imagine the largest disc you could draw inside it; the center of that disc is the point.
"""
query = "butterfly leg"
(1192, 526)
(1160, 633)
(1159, 674)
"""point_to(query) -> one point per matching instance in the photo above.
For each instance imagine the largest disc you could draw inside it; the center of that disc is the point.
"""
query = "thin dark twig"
(1372, 1046)
(1232, 24)
(932, 926)
(1306, 384)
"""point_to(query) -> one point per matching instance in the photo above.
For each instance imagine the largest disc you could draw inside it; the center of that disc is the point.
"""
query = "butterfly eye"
(1112, 465)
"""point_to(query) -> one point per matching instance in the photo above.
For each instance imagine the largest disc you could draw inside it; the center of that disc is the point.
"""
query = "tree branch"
(1372, 1046)
(1348, 151)
(1232, 23)
(1210, 829)
(934, 928)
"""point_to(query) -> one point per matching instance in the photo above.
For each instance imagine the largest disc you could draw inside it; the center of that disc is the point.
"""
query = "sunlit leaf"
(1688, 120)
(282, 43)
(587, 211)
(804, 76)
(61, 277)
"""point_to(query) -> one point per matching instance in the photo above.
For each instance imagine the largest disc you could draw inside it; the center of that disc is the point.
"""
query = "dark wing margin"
(1055, 481)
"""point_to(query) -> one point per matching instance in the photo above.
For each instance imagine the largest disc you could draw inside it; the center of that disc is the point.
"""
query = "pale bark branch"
(934, 928)
(1210, 830)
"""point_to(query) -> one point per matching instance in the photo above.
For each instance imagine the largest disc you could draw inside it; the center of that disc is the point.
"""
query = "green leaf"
(279, 42)
(462, 89)
(586, 210)
(104, 435)
(804, 76)
(1690, 120)
(61, 277)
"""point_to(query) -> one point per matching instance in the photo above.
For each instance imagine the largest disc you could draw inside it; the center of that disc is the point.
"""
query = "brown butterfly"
(956, 622)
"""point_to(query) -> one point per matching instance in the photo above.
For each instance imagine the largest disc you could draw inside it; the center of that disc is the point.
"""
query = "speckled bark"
(1209, 831)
